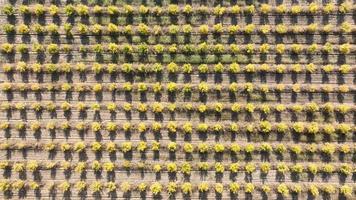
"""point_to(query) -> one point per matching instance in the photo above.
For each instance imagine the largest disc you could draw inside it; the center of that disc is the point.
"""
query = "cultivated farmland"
(177, 99)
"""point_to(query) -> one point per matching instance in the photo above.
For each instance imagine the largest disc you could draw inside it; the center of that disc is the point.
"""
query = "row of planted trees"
(142, 29)
(143, 48)
(157, 108)
(174, 9)
(174, 68)
(203, 148)
(186, 188)
(173, 88)
(172, 127)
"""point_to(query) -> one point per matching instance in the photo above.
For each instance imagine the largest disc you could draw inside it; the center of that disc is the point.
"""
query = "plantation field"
(177, 99)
